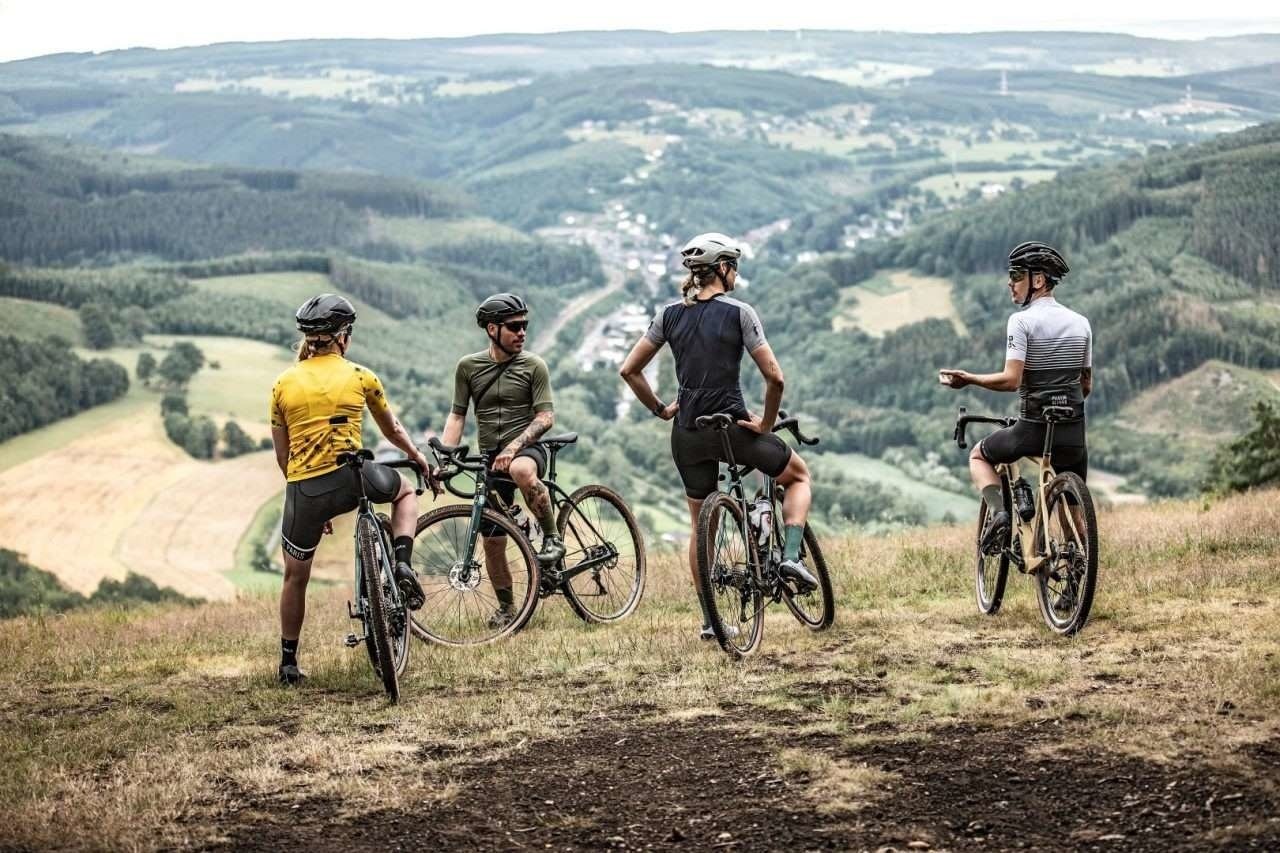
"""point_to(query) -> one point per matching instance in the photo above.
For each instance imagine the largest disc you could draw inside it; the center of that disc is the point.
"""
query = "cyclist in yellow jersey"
(317, 407)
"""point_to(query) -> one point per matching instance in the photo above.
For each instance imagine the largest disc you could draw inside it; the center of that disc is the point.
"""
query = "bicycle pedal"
(352, 641)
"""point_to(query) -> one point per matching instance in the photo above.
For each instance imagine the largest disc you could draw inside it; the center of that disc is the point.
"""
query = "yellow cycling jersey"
(321, 401)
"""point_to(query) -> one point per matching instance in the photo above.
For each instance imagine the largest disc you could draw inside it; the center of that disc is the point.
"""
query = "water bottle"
(1024, 499)
(761, 516)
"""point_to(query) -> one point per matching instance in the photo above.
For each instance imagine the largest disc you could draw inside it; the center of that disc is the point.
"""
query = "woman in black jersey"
(709, 331)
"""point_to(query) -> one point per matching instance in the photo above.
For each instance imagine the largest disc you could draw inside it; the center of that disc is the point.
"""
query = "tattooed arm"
(542, 421)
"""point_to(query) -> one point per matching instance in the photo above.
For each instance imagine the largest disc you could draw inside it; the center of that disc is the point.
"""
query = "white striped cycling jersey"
(1055, 344)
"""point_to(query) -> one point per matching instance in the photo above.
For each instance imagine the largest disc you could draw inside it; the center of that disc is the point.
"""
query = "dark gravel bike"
(1052, 536)
(463, 553)
(740, 548)
(383, 614)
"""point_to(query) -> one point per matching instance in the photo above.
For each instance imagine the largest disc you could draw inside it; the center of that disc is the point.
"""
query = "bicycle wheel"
(1065, 584)
(374, 607)
(816, 609)
(598, 528)
(992, 570)
(461, 606)
(397, 610)
(731, 597)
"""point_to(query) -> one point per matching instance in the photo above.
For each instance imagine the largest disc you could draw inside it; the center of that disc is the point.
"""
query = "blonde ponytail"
(309, 345)
(692, 286)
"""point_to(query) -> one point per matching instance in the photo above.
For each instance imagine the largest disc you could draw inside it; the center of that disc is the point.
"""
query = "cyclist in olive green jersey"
(511, 390)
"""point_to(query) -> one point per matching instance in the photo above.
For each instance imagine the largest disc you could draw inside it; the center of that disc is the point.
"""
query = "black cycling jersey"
(708, 339)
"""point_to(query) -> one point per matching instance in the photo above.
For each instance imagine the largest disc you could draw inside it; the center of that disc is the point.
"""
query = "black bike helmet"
(1039, 257)
(327, 313)
(499, 307)
(707, 249)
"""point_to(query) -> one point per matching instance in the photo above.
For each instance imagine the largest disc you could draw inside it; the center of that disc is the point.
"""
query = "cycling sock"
(547, 520)
(288, 652)
(505, 598)
(994, 498)
(403, 546)
(794, 534)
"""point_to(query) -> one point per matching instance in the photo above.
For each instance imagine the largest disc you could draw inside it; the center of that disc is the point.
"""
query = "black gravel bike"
(464, 553)
(381, 609)
(740, 548)
(1052, 536)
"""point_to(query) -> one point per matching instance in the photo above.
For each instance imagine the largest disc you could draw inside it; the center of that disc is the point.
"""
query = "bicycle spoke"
(460, 598)
(597, 533)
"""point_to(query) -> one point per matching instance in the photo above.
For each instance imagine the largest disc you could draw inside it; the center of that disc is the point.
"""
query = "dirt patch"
(712, 784)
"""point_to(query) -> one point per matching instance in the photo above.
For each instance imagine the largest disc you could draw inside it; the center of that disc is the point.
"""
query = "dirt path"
(715, 783)
(614, 280)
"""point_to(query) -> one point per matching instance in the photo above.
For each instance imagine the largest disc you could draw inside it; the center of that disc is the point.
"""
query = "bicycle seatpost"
(720, 421)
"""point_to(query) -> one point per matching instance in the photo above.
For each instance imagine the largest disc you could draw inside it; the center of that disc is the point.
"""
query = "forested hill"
(1175, 259)
(60, 202)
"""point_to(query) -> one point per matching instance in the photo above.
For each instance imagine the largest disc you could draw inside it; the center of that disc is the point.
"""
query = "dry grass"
(150, 725)
(835, 786)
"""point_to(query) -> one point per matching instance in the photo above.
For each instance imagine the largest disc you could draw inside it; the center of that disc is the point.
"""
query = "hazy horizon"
(30, 29)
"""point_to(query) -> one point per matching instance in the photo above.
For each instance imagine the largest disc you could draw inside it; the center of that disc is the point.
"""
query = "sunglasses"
(516, 325)
(1017, 274)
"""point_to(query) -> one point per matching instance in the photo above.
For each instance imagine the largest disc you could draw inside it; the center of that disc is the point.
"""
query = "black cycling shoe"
(289, 675)
(409, 586)
(552, 550)
(996, 533)
(794, 571)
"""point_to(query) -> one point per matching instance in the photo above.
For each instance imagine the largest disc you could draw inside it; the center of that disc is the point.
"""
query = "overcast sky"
(37, 27)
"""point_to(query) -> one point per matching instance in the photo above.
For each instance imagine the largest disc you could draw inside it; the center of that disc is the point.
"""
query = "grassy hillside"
(1172, 260)
(862, 737)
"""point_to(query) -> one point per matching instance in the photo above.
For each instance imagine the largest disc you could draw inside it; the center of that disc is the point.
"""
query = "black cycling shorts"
(506, 488)
(1026, 438)
(309, 503)
(699, 452)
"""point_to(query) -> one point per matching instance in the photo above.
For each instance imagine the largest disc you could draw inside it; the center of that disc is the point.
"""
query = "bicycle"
(1057, 546)
(601, 576)
(380, 607)
(739, 550)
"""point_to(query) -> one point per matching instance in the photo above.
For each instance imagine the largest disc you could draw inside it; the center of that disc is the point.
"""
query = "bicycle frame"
(364, 509)
(1037, 529)
(760, 562)
(485, 480)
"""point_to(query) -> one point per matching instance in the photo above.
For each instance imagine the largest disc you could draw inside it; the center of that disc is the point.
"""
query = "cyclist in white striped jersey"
(1049, 361)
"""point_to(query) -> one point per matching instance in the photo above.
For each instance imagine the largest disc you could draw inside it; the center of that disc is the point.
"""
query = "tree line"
(48, 382)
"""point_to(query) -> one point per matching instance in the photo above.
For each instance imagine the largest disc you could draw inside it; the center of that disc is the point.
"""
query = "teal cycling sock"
(994, 498)
(794, 534)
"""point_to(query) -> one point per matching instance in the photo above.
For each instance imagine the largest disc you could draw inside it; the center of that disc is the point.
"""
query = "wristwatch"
(658, 409)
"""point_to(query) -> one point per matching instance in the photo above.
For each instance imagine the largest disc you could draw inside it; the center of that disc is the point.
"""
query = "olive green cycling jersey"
(522, 390)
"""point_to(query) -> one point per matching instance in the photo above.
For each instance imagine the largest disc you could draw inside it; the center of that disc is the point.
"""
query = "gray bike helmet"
(707, 249)
(499, 307)
(327, 313)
